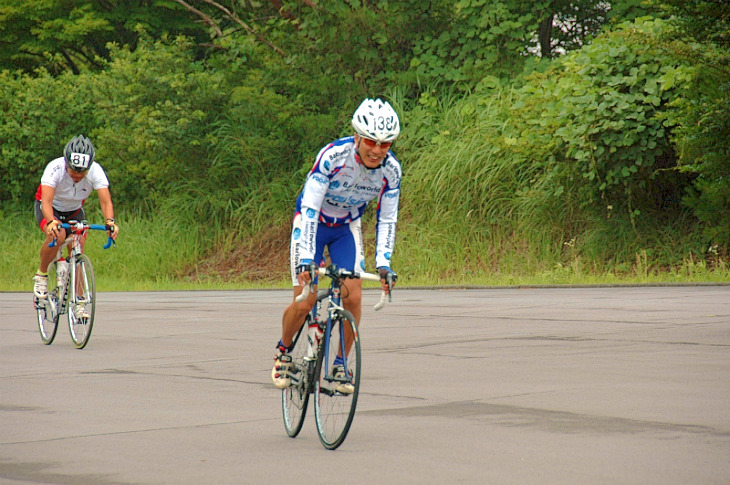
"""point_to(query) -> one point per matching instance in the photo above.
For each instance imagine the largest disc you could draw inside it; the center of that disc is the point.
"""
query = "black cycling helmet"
(79, 153)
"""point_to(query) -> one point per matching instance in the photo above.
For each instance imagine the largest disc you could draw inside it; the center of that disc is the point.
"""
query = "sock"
(282, 348)
(338, 361)
(41, 273)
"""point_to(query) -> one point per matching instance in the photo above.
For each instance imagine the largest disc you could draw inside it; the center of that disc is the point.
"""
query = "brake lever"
(309, 287)
(389, 280)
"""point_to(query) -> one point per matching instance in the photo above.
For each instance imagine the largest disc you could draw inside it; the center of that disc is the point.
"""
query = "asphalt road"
(623, 385)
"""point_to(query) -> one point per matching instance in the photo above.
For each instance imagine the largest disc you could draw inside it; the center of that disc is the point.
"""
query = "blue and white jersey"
(337, 191)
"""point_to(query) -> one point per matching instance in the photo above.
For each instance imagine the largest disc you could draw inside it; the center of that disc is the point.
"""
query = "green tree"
(40, 114)
(566, 25)
(70, 35)
(153, 109)
(703, 20)
(601, 119)
(704, 126)
(367, 46)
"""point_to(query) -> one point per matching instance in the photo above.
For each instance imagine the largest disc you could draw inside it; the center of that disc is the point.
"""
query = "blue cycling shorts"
(343, 244)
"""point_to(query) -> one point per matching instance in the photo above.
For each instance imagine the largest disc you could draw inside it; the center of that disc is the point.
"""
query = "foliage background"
(570, 139)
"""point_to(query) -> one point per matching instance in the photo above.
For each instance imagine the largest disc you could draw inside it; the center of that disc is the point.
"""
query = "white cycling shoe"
(80, 312)
(40, 286)
(280, 372)
(343, 386)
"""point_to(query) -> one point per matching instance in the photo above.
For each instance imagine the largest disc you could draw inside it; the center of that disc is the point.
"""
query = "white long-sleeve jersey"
(337, 191)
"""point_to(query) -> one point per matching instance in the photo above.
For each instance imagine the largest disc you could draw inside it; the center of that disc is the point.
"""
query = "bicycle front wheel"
(82, 300)
(47, 309)
(295, 398)
(336, 391)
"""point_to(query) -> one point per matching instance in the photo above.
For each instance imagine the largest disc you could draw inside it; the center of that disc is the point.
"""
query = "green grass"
(473, 212)
(149, 255)
(156, 257)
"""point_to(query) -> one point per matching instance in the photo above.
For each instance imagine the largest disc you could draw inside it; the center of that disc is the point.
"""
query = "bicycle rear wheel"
(47, 309)
(336, 396)
(295, 398)
(83, 304)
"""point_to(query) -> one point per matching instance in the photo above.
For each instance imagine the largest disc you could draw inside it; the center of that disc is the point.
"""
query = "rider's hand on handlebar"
(305, 272)
(387, 278)
(112, 228)
(52, 228)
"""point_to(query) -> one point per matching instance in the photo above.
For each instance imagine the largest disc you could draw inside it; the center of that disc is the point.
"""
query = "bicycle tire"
(295, 398)
(82, 276)
(335, 410)
(48, 309)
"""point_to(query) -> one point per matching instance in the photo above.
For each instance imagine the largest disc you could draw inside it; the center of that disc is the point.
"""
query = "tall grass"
(148, 255)
(462, 204)
(474, 210)
(158, 255)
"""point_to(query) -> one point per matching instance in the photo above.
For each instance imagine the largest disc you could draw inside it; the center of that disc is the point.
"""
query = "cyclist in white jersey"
(66, 183)
(347, 174)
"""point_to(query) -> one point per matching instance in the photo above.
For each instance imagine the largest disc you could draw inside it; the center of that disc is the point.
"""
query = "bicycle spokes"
(47, 318)
(338, 385)
(82, 301)
(47, 309)
(295, 398)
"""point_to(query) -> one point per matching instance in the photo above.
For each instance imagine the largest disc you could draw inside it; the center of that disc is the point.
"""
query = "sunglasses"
(373, 143)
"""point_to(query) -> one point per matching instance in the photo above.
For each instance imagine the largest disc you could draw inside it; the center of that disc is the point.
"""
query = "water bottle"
(314, 334)
(62, 272)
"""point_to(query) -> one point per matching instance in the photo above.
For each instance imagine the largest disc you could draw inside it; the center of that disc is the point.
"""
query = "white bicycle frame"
(73, 242)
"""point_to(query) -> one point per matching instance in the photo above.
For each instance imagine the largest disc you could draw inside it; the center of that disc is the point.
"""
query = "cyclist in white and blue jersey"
(347, 174)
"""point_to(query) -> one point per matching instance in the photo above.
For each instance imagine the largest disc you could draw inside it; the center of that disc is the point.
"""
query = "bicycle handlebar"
(346, 274)
(81, 226)
(383, 295)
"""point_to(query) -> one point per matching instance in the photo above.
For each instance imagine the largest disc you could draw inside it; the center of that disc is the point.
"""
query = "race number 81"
(80, 160)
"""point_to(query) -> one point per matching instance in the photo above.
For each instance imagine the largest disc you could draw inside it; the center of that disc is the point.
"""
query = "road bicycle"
(326, 361)
(79, 299)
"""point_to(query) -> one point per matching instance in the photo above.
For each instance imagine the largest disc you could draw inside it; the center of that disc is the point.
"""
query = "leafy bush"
(155, 109)
(704, 112)
(578, 163)
(704, 152)
(477, 39)
(600, 121)
(40, 114)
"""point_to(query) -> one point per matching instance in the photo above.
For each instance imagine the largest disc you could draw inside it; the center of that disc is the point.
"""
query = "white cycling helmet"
(376, 119)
